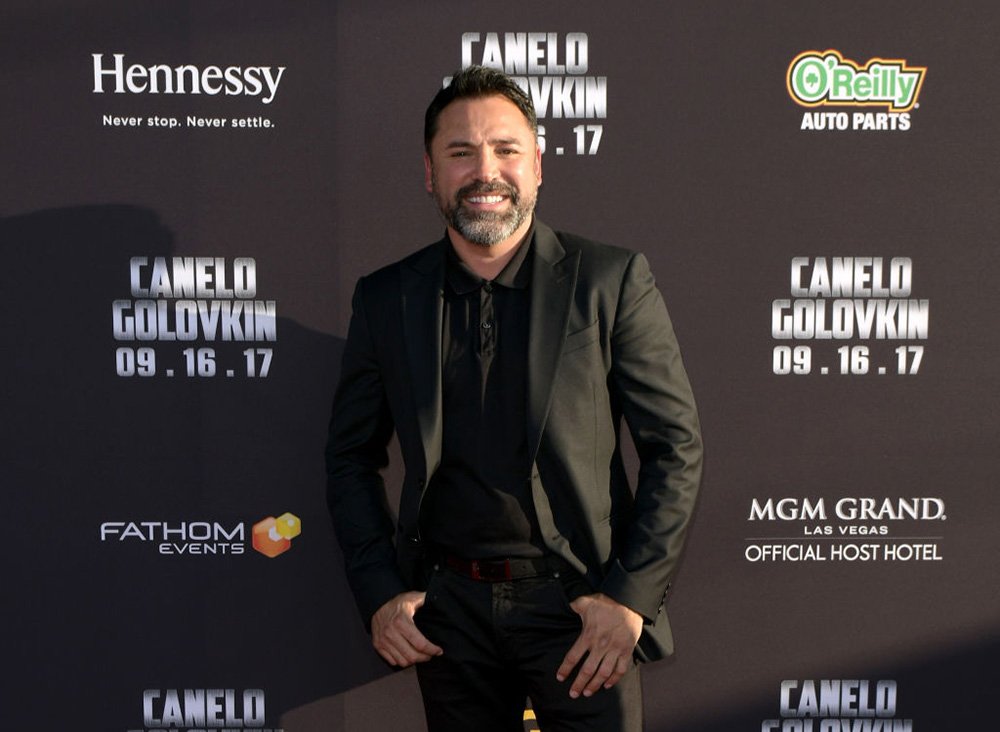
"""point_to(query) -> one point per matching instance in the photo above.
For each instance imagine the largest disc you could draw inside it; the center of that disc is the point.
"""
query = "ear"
(538, 164)
(428, 173)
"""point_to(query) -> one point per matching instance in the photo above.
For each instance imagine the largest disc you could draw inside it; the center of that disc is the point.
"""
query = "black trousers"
(503, 641)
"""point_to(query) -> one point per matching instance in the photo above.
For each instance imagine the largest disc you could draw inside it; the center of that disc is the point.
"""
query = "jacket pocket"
(581, 338)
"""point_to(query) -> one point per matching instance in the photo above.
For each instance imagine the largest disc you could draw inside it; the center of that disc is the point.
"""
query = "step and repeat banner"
(191, 189)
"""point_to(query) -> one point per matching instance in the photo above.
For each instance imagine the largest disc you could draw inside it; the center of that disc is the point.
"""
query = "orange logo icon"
(273, 536)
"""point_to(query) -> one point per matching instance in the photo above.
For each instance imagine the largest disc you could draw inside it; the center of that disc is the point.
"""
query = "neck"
(488, 262)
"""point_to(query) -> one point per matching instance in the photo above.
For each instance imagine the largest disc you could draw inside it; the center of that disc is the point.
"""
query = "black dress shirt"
(479, 503)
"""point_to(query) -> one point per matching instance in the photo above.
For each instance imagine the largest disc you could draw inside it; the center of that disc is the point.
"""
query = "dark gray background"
(702, 166)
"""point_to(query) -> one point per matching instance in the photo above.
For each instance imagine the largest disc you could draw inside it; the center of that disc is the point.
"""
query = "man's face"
(484, 169)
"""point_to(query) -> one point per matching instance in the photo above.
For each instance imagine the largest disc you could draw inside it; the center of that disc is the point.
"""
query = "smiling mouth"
(488, 195)
(486, 199)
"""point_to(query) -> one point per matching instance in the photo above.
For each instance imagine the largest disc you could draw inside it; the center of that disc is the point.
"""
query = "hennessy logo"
(252, 81)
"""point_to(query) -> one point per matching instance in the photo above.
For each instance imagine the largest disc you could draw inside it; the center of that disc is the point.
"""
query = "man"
(505, 357)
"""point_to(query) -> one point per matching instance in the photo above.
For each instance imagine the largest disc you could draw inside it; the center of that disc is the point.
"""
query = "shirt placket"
(487, 335)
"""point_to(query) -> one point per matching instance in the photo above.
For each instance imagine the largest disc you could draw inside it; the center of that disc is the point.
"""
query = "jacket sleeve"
(360, 428)
(648, 380)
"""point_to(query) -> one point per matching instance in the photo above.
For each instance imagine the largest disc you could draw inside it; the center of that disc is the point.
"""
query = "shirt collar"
(515, 275)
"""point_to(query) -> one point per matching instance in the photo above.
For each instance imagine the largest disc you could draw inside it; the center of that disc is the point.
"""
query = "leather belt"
(504, 570)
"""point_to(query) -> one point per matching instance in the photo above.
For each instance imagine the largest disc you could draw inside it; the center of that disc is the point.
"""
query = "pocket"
(582, 338)
(571, 586)
(431, 585)
(431, 592)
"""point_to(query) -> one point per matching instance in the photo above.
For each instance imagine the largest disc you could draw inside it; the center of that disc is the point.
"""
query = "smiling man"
(483, 168)
(505, 357)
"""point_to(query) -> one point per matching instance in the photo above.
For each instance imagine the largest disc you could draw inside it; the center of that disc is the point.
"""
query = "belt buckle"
(495, 571)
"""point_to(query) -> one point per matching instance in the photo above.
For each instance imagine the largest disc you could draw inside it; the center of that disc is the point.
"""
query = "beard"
(485, 228)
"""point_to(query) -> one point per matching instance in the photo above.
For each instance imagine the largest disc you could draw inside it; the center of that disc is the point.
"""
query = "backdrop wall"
(191, 189)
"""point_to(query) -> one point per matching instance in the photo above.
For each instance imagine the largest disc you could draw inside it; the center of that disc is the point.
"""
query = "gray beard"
(485, 228)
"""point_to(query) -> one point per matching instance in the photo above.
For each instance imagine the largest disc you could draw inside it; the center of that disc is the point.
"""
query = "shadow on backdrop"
(101, 621)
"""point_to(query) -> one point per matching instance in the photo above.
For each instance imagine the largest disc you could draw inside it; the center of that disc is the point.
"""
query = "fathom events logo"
(828, 79)
(270, 536)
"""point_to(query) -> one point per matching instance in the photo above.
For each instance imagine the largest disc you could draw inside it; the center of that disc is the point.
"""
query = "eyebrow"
(493, 141)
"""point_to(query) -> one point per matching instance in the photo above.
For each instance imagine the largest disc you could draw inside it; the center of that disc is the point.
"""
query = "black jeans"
(503, 641)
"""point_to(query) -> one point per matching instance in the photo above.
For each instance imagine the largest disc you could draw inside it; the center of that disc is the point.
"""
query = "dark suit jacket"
(601, 347)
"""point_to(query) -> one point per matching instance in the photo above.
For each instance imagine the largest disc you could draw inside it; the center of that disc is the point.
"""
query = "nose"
(486, 166)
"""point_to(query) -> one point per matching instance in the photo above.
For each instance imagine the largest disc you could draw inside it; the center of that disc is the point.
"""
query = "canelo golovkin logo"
(826, 78)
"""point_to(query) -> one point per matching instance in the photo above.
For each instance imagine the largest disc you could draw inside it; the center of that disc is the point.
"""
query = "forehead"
(471, 119)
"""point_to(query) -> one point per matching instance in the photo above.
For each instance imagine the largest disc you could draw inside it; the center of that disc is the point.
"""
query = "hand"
(610, 632)
(395, 635)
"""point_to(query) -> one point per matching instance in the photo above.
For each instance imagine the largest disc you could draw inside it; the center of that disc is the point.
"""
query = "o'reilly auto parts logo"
(827, 79)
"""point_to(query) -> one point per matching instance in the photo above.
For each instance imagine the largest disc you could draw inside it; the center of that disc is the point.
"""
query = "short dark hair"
(473, 82)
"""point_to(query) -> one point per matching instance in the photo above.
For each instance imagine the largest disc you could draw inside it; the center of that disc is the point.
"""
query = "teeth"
(485, 199)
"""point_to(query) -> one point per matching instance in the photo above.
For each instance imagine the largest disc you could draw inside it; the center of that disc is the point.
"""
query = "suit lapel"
(553, 282)
(421, 282)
